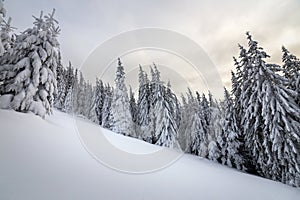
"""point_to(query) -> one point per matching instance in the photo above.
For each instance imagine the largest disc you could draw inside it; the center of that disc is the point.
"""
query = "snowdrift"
(45, 159)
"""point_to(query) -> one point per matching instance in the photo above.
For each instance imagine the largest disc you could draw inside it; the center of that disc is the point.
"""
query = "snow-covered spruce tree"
(67, 94)
(205, 116)
(59, 97)
(291, 66)
(236, 86)
(68, 103)
(256, 140)
(166, 130)
(89, 103)
(196, 129)
(241, 94)
(215, 130)
(182, 138)
(190, 106)
(156, 94)
(231, 155)
(75, 90)
(198, 124)
(105, 115)
(282, 119)
(174, 104)
(271, 119)
(28, 72)
(99, 100)
(133, 106)
(80, 96)
(163, 127)
(133, 111)
(143, 106)
(120, 107)
(6, 39)
(190, 133)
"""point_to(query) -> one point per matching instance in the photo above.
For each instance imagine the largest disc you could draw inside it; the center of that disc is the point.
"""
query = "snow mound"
(45, 159)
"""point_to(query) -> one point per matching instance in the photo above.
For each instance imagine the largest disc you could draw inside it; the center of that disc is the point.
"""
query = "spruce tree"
(215, 131)
(69, 82)
(90, 103)
(80, 96)
(6, 37)
(166, 128)
(75, 90)
(120, 107)
(270, 117)
(106, 110)
(143, 106)
(197, 132)
(99, 100)
(183, 138)
(190, 108)
(156, 95)
(198, 124)
(28, 72)
(133, 106)
(68, 103)
(192, 135)
(281, 116)
(174, 104)
(291, 69)
(59, 98)
(232, 151)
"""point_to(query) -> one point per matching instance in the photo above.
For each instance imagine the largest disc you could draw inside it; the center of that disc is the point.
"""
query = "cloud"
(216, 25)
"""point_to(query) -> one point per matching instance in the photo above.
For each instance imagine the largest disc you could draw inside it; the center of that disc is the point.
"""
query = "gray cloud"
(218, 26)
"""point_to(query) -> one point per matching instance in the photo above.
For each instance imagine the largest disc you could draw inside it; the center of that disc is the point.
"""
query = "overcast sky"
(216, 25)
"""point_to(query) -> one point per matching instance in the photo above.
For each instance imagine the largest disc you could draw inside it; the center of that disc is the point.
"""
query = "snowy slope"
(45, 159)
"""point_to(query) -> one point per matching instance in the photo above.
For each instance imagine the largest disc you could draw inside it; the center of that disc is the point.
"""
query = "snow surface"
(45, 159)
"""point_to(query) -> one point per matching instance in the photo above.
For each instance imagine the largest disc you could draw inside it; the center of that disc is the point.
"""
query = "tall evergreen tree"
(143, 106)
(281, 116)
(205, 116)
(59, 98)
(197, 132)
(192, 136)
(89, 103)
(256, 140)
(75, 90)
(99, 100)
(183, 138)
(68, 103)
(190, 108)
(174, 104)
(166, 128)
(215, 130)
(6, 37)
(133, 106)
(156, 95)
(270, 119)
(232, 151)
(28, 72)
(291, 66)
(120, 108)
(106, 114)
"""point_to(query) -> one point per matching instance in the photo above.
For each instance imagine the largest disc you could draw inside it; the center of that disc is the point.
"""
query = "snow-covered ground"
(45, 159)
